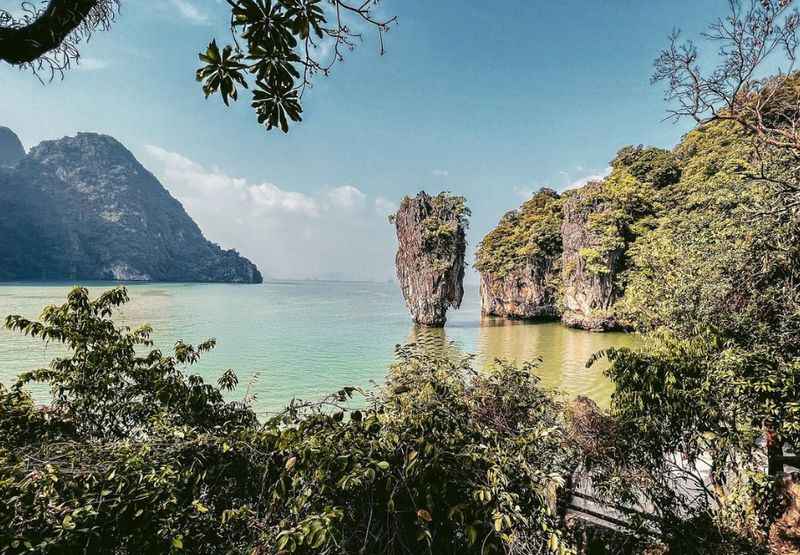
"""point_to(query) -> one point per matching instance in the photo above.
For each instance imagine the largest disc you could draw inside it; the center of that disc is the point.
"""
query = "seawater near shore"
(305, 339)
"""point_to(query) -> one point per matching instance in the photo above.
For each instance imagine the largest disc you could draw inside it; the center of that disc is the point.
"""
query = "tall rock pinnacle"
(430, 256)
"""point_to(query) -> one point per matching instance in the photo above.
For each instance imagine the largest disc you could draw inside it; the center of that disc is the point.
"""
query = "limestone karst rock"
(589, 267)
(570, 255)
(83, 208)
(520, 261)
(521, 294)
(548, 260)
(431, 231)
(11, 149)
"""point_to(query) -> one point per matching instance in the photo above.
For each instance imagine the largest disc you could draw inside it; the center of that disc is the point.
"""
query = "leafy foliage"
(44, 37)
(621, 207)
(107, 389)
(441, 461)
(530, 233)
(276, 50)
(654, 166)
(134, 456)
(687, 418)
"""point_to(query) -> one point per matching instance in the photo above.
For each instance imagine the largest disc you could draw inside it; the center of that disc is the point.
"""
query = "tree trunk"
(774, 450)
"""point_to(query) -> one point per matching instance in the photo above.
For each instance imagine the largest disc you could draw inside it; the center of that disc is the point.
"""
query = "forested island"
(602, 256)
(697, 248)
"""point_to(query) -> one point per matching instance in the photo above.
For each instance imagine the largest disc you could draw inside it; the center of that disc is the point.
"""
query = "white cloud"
(571, 181)
(270, 198)
(189, 11)
(91, 64)
(192, 180)
(583, 180)
(440, 173)
(346, 196)
(524, 192)
(288, 234)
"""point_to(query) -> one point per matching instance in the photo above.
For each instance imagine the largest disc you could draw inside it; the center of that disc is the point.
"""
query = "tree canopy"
(278, 46)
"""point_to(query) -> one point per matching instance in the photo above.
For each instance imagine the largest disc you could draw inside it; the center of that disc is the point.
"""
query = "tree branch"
(25, 44)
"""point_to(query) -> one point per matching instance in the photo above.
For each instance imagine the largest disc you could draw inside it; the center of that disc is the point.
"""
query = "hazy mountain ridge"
(83, 207)
(11, 149)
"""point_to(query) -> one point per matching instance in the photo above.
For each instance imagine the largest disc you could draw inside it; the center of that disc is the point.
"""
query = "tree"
(753, 35)
(277, 45)
(719, 271)
(46, 39)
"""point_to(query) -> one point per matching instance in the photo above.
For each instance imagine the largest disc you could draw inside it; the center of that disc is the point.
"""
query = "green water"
(306, 339)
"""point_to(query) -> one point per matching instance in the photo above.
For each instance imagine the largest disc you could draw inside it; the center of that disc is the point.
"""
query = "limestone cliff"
(520, 261)
(521, 294)
(83, 208)
(11, 149)
(431, 232)
(566, 256)
(590, 265)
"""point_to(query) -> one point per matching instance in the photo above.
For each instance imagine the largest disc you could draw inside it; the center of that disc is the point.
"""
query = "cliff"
(520, 261)
(83, 208)
(567, 256)
(11, 149)
(431, 234)
(590, 263)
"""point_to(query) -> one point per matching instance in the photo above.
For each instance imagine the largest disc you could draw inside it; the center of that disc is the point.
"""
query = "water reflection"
(560, 352)
(435, 341)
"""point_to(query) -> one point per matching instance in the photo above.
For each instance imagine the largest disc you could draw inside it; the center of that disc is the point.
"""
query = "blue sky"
(487, 99)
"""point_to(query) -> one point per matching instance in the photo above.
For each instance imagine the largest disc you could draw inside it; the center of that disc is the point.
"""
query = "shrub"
(135, 456)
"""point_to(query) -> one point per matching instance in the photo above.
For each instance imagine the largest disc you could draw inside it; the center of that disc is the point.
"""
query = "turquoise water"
(305, 339)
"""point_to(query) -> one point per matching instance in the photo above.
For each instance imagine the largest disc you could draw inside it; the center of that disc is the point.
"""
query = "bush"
(135, 456)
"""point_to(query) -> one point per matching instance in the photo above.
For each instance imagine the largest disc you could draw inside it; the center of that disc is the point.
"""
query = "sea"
(305, 339)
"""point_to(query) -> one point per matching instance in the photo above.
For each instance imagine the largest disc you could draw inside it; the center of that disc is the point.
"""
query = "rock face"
(11, 149)
(430, 255)
(565, 255)
(520, 261)
(555, 257)
(589, 266)
(83, 208)
(520, 294)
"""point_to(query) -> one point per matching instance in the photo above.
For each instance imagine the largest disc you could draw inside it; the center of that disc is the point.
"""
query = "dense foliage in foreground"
(135, 456)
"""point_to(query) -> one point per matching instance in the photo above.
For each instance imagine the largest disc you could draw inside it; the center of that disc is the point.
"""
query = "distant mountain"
(11, 149)
(84, 208)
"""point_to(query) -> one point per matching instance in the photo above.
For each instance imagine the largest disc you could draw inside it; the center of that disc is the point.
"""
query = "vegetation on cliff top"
(618, 209)
(444, 219)
(533, 231)
(621, 208)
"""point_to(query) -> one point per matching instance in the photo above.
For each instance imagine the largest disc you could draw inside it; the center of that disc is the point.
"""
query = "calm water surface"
(306, 339)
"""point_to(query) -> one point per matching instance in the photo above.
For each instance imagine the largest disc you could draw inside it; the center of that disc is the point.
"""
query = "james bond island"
(431, 236)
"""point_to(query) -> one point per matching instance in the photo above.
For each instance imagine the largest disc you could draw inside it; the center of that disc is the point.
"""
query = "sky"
(490, 100)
